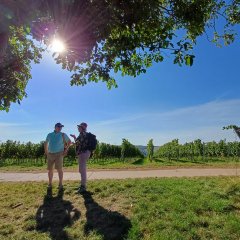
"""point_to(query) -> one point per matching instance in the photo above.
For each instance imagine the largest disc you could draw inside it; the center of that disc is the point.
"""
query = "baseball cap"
(83, 124)
(59, 125)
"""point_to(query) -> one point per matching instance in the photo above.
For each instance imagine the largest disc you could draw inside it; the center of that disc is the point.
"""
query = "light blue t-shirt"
(55, 142)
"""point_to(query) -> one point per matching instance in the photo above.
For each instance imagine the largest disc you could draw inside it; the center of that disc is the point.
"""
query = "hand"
(73, 136)
(65, 152)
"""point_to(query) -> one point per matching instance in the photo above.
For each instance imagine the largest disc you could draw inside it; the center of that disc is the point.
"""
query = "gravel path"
(114, 174)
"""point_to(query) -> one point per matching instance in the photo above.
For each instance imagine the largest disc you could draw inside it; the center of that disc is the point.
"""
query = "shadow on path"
(55, 214)
(110, 224)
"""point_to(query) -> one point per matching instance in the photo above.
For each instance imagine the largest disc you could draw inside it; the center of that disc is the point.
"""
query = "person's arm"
(73, 136)
(46, 148)
(46, 145)
(68, 143)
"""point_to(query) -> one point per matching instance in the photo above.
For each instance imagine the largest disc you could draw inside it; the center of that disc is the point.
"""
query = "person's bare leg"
(60, 176)
(50, 177)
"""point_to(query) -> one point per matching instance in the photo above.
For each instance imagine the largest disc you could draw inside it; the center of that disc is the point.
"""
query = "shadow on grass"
(55, 214)
(139, 162)
(175, 161)
(111, 225)
(193, 161)
(158, 160)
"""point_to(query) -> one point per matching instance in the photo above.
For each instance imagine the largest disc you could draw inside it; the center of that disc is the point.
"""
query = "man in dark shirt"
(83, 154)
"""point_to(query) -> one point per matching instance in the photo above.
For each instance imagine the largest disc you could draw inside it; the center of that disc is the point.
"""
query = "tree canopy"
(105, 36)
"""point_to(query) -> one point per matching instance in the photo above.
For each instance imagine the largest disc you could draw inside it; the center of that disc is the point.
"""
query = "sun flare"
(57, 46)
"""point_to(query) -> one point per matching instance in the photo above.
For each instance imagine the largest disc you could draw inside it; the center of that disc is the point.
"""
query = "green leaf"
(189, 60)
(27, 30)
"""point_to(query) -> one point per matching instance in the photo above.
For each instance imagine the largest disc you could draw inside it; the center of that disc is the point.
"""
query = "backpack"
(92, 141)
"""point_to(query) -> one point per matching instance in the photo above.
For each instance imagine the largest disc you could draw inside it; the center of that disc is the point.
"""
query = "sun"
(57, 46)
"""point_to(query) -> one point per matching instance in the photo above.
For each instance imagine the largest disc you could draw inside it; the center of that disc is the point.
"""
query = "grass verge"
(196, 208)
(131, 164)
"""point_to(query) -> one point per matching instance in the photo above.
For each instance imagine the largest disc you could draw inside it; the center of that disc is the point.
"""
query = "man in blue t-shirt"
(56, 147)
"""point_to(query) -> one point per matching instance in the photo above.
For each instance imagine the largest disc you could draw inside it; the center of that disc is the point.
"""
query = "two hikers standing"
(56, 147)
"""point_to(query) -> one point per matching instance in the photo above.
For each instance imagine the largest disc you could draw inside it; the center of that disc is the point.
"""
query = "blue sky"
(165, 103)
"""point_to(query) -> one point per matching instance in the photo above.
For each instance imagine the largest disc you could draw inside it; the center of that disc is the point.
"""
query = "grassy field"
(130, 164)
(151, 209)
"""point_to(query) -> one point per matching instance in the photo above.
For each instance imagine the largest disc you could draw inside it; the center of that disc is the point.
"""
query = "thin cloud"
(201, 121)
(7, 124)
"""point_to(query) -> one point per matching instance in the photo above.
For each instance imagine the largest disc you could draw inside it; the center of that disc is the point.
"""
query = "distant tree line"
(197, 148)
(16, 152)
(21, 152)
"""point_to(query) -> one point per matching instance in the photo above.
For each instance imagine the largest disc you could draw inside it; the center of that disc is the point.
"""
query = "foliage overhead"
(230, 127)
(234, 127)
(105, 36)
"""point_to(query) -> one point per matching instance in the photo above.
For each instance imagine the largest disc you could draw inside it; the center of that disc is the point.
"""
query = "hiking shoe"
(49, 191)
(60, 187)
(82, 189)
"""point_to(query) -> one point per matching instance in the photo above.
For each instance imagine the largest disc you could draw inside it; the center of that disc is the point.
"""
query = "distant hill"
(143, 149)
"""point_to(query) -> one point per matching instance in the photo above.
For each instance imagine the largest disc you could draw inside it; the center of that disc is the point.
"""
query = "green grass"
(149, 209)
(130, 164)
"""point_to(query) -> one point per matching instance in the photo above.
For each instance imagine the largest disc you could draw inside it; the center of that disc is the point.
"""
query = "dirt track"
(180, 172)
